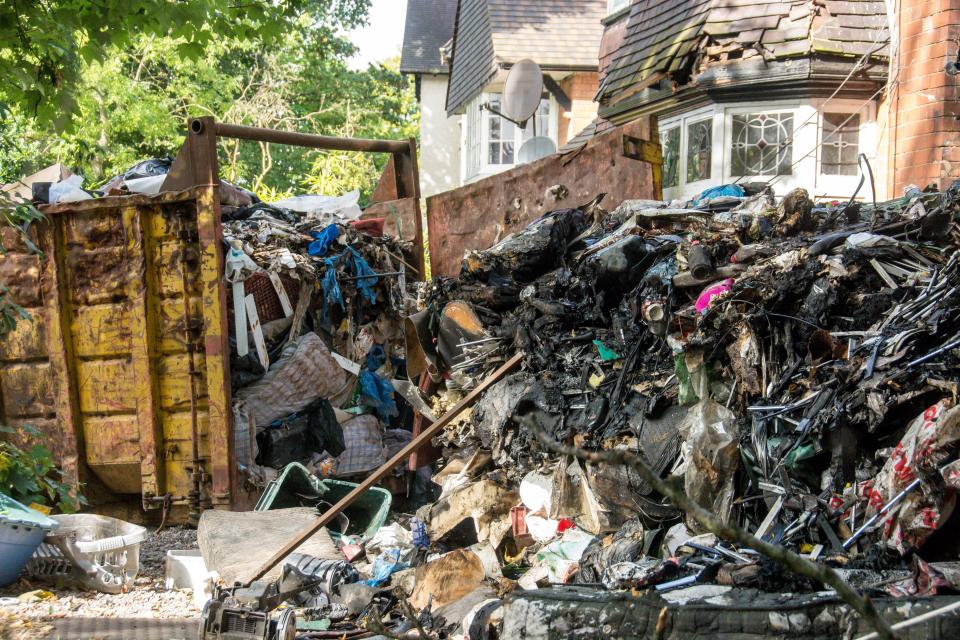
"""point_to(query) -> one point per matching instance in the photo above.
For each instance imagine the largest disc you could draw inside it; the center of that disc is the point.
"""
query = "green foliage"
(132, 103)
(45, 44)
(31, 477)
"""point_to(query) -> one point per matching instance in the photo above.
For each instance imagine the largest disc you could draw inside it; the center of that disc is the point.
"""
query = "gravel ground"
(148, 598)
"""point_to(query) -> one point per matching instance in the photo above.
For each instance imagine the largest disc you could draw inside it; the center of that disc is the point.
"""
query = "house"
(751, 90)
(488, 38)
(427, 31)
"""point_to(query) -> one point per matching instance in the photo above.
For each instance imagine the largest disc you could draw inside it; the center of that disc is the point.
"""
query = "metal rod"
(373, 275)
(303, 139)
(893, 502)
(933, 354)
(196, 473)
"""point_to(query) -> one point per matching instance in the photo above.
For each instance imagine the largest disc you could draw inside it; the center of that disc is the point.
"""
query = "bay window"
(814, 144)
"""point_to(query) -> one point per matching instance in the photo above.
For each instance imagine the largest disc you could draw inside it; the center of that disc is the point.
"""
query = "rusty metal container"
(120, 364)
(123, 361)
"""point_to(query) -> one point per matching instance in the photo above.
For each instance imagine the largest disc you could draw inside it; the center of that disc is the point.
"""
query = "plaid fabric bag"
(363, 437)
(306, 371)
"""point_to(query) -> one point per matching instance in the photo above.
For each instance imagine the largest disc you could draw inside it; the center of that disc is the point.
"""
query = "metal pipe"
(699, 262)
(879, 514)
(260, 134)
(374, 275)
(933, 354)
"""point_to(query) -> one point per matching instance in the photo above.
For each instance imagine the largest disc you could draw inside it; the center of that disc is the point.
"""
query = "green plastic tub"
(297, 487)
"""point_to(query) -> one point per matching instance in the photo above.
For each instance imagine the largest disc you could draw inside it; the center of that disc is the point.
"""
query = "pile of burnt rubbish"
(793, 365)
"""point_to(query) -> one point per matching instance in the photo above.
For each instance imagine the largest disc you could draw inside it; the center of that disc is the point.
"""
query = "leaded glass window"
(839, 144)
(762, 144)
(699, 137)
(670, 147)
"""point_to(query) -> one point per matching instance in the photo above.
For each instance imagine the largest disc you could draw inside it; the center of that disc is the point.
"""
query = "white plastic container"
(103, 552)
(187, 570)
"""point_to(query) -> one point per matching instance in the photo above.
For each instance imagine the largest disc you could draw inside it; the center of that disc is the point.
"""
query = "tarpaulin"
(720, 191)
(919, 454)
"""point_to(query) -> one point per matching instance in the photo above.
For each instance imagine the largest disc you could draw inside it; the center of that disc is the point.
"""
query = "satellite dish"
(522, 91)
(535, 148)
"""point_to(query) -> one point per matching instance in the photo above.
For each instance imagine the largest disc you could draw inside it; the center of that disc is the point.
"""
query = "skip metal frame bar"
(197, 161)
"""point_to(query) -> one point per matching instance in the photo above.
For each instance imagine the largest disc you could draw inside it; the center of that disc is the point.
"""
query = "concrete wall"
(918, 117)
(439, 138)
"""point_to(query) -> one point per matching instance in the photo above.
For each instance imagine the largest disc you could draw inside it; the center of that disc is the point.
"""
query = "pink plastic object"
(711, 292)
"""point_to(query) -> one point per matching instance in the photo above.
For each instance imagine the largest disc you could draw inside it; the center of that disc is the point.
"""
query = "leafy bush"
(30, 476)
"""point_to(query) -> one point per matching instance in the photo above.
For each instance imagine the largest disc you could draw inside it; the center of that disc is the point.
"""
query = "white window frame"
(475, 167)
(470, 140)
(842, 187)
(716, 168)
(804, 139)
(613, 6)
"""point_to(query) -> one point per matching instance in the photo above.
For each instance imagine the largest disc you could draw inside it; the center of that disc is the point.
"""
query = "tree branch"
(728, 531)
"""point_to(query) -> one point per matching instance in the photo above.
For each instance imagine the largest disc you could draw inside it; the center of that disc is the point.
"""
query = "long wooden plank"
(398, 458)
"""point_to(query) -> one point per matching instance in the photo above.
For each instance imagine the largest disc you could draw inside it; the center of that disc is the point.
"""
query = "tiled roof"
(429, 25)
(556, 34)
(681, 38)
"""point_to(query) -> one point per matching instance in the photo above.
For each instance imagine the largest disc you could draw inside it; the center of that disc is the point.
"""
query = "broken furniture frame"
(196, 165)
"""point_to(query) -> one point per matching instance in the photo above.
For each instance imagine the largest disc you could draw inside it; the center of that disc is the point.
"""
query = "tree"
(45, 43)
(133, 104)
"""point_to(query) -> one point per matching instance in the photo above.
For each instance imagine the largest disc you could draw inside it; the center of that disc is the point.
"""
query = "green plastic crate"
(297, 487)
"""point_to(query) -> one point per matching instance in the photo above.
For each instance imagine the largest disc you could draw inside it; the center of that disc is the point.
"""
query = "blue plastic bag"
(331, 289)
(734, 190)
(386, 564)
(364, 284)
(324, 239)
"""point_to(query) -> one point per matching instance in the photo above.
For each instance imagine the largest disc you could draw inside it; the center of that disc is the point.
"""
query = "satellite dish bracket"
(562, 98)
(486, 106)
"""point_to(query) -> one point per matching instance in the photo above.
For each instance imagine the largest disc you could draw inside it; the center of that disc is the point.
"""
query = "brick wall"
(924, 132)
(580, 88)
